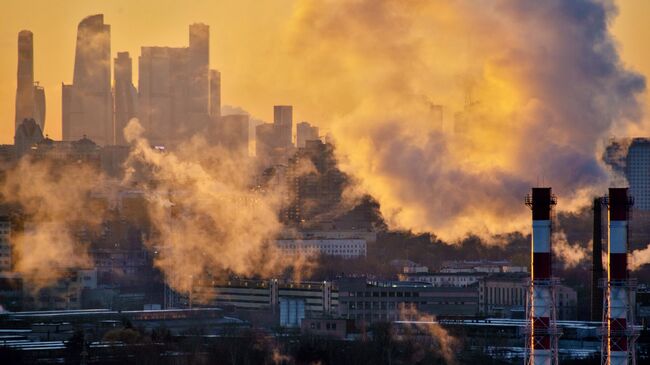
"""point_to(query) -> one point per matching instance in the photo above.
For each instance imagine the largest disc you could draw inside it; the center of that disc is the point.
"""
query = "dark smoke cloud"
(530, 90)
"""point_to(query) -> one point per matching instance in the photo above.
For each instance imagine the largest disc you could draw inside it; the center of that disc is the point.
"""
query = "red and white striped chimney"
(618, 294)
(541, 312)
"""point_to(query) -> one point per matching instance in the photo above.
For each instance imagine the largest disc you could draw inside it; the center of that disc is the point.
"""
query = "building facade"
(5, 244)
(305, 132)
(345, 248)
(30, 97)
(320, 298)
(505, 295)
(375, 301)
(125, 95)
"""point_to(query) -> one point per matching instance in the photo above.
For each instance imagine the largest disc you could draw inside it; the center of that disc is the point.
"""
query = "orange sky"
(245, 37)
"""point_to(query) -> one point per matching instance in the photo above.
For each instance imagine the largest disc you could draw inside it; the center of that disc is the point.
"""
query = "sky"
(245, 34)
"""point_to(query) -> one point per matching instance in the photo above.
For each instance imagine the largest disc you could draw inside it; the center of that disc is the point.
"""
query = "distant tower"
(215, 94)
(233, 133)
(542, 333)
(305, 132)
(198, 66)
(39, 105)
(87, 103)
(619, 334)
(125, 95)
(283, 120)
(30, 98)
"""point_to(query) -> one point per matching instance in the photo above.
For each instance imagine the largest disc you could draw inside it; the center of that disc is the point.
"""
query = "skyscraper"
(283, 120)
(198, 66)
(173, 89)
(233, 133)
(305, 132)
(215, 94)
(39, 105)
(30, 98)
(636, 172)
(125, 95)
(87, 103)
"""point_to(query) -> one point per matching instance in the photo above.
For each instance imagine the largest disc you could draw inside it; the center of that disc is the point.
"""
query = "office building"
(125, 95)
(505, 295)
(344, 248)
(637, 165)
(87, 102)
(319, 298)
(215, 95)
(305, 132)
(233, 133)
(30, 97)
(198, 69)
(283, 122)
(27, 135)
(173, 89)
(376, 301)
(5, 243)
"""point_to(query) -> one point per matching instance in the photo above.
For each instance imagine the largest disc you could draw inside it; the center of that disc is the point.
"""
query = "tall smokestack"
(619, 334)
(541, 343)
(597, 262)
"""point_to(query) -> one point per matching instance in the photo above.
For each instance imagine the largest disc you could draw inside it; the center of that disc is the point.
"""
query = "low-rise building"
(373, 301)
(5, 244)
(505, 295)
(346, 248)
(319, 297)
(327, 327)
(481, 266)
(440, 279)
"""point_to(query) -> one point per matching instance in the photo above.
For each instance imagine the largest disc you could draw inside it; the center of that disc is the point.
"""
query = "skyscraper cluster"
(177, 96)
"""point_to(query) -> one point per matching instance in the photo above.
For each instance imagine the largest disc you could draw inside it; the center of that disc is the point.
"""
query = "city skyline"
(340, 182)
(260, 24)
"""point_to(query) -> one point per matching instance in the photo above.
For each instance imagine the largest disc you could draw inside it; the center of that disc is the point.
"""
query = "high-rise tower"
(25, 85)
(198, 66)
(30, 98)
(173, 89)
(283, 120)
(87, 103)
(125, 95)
(215, 95)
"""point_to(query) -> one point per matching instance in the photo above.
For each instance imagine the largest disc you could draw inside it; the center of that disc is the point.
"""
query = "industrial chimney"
(541, 330)
(597, 262)
(619, 334)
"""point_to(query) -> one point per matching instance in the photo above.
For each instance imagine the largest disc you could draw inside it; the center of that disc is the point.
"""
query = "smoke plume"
(441, 341)
(57, 204)
(529, 91)
(206, 214)
(570, 254)
(639, 258)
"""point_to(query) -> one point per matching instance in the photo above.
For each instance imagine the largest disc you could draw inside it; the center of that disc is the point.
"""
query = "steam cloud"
(530, 89)
(571, 255)
(440, 339)
(207, 217)
(639, 258)
(56, 200)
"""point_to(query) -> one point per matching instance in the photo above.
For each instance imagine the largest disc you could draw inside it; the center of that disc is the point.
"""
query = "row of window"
(384, 294)
(383, 305)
